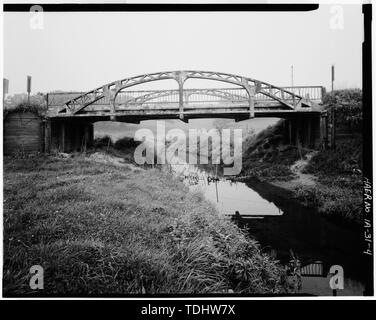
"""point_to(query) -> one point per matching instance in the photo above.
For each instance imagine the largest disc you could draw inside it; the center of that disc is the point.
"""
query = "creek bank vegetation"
(331, 179)
(100, 229)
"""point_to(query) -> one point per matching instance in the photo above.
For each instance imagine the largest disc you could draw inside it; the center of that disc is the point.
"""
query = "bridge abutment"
(306, 132)
(68, 136)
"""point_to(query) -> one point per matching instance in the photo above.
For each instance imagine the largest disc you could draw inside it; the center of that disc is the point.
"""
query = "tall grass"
(98, 229)
(339, 191)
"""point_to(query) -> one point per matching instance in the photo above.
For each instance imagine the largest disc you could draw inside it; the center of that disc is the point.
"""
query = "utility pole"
(5, 88)
(28, 89)
(292, 78)
(332, 77)
(292, 85)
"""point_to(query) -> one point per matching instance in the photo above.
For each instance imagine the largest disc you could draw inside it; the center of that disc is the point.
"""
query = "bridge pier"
(68, 136)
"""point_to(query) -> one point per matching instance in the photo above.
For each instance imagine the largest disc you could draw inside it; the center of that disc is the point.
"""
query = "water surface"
(282, 225)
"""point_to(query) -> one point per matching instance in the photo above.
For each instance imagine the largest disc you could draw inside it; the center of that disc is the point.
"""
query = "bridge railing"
(314, 93)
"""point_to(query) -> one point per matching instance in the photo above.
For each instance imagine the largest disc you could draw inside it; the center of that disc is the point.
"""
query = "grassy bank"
(336, 189)
(100, 229)
(337, 186)
(268, 157)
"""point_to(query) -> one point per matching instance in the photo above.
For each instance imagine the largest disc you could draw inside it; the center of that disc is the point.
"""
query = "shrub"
(104, 141)
(126, 143)
(348, 107)
(38, 108)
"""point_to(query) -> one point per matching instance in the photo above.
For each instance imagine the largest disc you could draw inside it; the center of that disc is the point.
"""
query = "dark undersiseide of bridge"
(71, 115)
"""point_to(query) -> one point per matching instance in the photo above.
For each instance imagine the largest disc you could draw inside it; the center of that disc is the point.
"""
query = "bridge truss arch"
(148, 96)
(109, 92)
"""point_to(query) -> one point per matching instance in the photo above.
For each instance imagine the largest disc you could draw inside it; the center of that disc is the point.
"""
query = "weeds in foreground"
(98, 229)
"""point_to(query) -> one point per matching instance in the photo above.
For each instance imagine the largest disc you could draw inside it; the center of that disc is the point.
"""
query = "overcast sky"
(81, 51)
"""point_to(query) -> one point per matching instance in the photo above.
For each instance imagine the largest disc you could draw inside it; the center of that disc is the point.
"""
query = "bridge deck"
(239, 114)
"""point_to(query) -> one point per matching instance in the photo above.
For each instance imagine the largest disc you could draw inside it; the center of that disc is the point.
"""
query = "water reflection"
(230, 196)
(281, 226)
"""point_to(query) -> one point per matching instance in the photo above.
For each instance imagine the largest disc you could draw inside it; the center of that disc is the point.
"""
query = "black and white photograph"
(155, 150)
